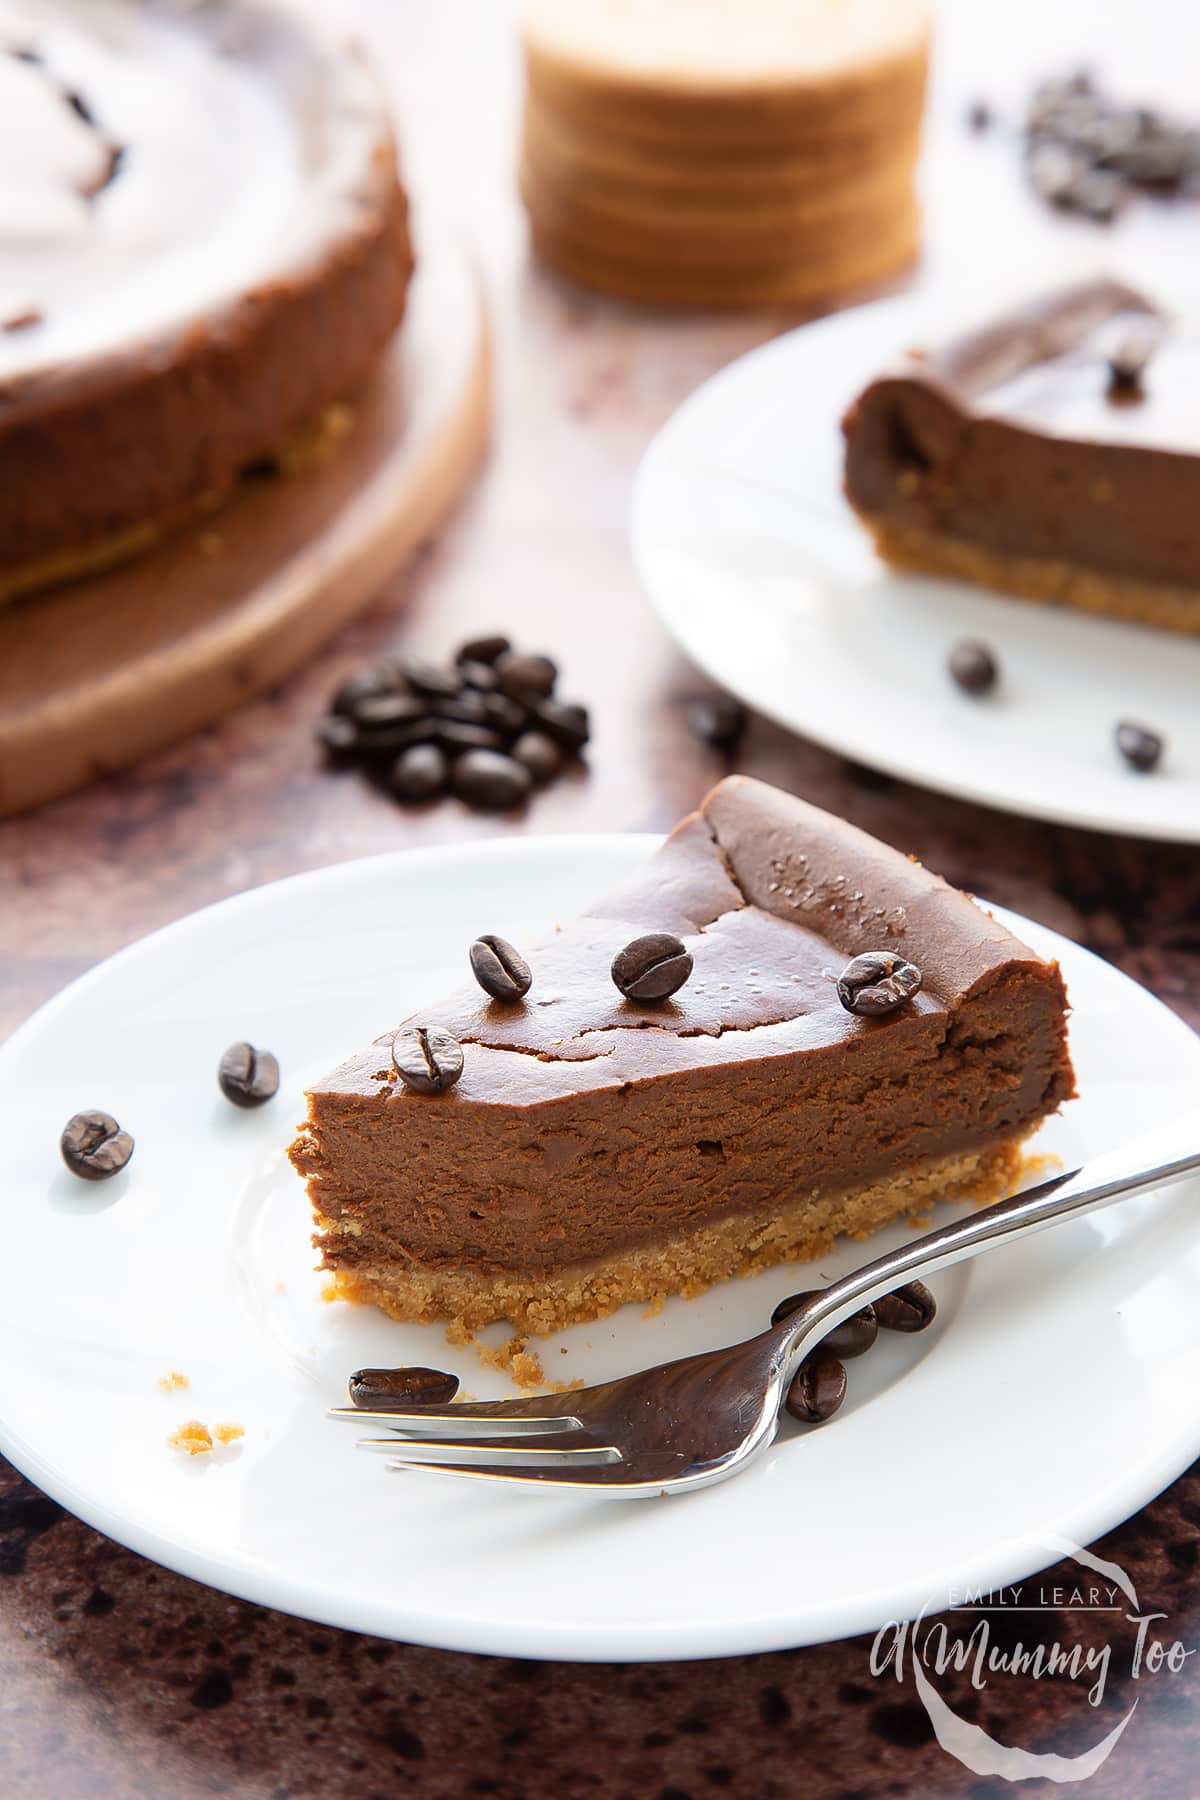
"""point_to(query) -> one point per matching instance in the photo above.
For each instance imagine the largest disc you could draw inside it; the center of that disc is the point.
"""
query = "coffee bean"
(499, 969)
(853, 1337)
(718, 720)
(94, 1146)
(910, 1308)
(525, 676)
(652, 968)
(817, 1388)
(877, 982)
(467, 708)
(431, 680)
(393, 1390)
(486, 649)
(567, 724)
(539, 754)
(338, 737)
(455, 737)
(366, 684)
(973, 666)
(478, 675)
(377, 714)
(426, 1058)
(1141, 747)
(504, 714)
(420, 773)
(247, 1076)
(490, 781)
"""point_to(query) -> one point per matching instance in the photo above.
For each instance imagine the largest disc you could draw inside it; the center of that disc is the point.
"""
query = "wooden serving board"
(100, 672)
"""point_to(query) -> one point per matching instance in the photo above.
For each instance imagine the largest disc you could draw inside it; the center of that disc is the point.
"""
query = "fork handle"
(1163, 1156)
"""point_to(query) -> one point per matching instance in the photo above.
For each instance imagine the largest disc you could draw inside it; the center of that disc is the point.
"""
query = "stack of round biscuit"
(723, 152)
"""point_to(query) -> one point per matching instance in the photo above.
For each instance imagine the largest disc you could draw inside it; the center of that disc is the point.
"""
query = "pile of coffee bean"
(1087, 152)
(818, 1387)
(486, 727)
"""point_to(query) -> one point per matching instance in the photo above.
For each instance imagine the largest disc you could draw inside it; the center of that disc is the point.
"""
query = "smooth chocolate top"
(772, 897)
(161, 160)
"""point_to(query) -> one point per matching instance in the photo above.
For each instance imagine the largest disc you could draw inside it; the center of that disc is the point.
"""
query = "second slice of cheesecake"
(597, 1151)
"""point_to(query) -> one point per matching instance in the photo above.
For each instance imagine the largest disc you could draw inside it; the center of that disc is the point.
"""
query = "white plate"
(763, 575)
(1057, 1392)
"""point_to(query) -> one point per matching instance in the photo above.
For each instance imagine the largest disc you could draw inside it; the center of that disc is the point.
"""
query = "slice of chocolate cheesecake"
(1054, 453)
(596, 1149)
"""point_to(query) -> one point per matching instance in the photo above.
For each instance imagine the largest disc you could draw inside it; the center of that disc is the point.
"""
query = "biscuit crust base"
(1035, 578)
(538, 1302)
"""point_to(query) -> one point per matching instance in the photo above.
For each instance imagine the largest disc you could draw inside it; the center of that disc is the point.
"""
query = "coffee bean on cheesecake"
(94, 1146)
(1141, 748)
(877, 982)
(520, 676)
(500, 970)
(388, 1390)
(486, 649)
(911, 1308)
(853, 1337)
(718, 720)
(652, 968)
(973, 666)
(539, 754)
(490, 781)
(817, 1388)
(427, 1058)
(247, 1076)
(420, 773)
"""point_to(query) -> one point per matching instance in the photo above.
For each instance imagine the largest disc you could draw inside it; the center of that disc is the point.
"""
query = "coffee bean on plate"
(490, 781)
(717, 719)
(530, 676)
(1141, 747)
(468, 708)
(247, 1076)
(973, 666)
(427, 1058)
(505, 714)
(380, 713)
(500, 970)
(455, 737)
(94, 1146)
(817, 1388)
(911, 1308)
(391, 1390)
(419, 774)
(853, 1337)
(485, 649)
(539, 754)
(652, 968)
(877, 982)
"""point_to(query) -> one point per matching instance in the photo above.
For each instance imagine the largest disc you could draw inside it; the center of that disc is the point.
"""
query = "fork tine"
(571, 1476)
(458, 1422)
(435, 1454)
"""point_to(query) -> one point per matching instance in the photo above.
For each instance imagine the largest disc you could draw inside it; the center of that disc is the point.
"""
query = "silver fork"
(686, 1424)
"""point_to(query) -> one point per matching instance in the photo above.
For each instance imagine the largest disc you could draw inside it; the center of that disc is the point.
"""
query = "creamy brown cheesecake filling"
(595, 1150)
(1052, 453)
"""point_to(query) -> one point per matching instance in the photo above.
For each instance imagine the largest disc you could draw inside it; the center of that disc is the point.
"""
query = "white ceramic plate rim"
(1133, 1483)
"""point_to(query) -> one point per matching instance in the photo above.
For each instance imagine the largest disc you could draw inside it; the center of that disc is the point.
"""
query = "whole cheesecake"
(203, 251)
(596, 1150)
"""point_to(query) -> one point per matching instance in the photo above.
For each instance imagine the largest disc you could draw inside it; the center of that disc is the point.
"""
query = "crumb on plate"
(172, 1381)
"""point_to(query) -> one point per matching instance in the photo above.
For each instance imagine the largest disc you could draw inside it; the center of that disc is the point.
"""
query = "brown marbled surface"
(118, 1679)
